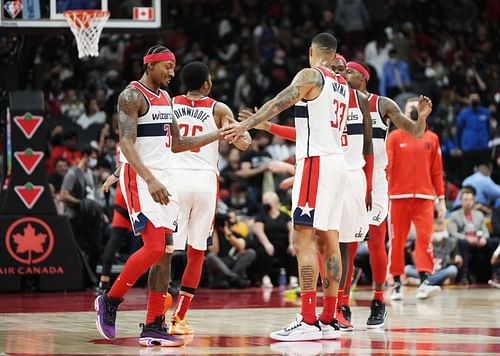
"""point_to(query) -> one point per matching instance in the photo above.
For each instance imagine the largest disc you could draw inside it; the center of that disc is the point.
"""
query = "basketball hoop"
(87, 26)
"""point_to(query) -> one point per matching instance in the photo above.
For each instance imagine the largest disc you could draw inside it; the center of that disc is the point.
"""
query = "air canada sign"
(30, 241)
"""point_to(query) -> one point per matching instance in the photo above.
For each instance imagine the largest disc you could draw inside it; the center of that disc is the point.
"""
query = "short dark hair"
(468, 189)
(153, 50)
(325, 40)
(88, 150)
(194, 74)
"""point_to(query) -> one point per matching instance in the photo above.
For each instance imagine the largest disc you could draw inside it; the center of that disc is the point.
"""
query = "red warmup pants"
(403, 213)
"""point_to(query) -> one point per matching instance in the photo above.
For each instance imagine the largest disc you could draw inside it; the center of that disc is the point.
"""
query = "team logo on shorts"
(303, 215)
(138, 221)
(377, 218)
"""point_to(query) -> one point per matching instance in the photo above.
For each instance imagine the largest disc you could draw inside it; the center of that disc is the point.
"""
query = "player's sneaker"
(298, 330)
(156, 334)
(101, 288)
(106, 315)
(344, 318)
(179, 326)
(377, 315)
(397, 291)
(494, 282)
(330, 331)
(426, 290)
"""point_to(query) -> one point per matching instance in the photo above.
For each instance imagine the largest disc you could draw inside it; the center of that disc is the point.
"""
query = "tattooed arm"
(130, 103)
(223, 117)
(307, 84)
(390, 110)
(185, 143)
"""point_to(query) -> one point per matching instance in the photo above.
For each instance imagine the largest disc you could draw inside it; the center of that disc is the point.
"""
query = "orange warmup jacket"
(415, 168)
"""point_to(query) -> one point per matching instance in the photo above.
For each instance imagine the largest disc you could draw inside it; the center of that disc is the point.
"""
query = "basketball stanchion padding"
(87, 26)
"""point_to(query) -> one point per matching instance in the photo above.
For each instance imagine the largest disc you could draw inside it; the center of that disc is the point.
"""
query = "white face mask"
(92, 162)
(439, 236)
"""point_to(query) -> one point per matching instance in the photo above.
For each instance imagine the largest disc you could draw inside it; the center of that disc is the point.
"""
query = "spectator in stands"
(486, 190)
(56, 178)
(66, 149)
(352, 16)
(395, 78)
(72, 107)
(228, 257)
(254, 163)
(78, 192)
(446, 257)
(229, 175)
(473, 134)
(377, 52)
(273, 232)
(476, 248)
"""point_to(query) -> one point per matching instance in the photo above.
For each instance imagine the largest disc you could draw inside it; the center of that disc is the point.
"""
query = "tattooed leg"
(328, 246)
(305, 247)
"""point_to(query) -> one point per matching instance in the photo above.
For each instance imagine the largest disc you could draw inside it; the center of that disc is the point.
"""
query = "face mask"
(266, 207)
(475, 104)
(92, 162)
(439, 236)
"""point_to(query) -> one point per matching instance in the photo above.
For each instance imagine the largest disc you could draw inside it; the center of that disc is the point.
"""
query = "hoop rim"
(95, 12)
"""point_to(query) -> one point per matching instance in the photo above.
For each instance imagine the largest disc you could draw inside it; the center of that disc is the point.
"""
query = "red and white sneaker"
(344, 318)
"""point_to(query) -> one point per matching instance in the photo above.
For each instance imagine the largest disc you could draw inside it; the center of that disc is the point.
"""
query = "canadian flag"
(143, 14)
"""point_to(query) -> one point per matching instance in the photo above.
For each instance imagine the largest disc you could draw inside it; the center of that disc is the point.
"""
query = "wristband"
(114, 175)
(283, 131)
(368, 169)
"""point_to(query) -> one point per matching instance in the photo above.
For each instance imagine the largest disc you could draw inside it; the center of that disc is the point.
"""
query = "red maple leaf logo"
(30, 241)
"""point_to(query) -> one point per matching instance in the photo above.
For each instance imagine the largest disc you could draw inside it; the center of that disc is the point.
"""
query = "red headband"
(342, 58)
(158, 57)
(359, 68)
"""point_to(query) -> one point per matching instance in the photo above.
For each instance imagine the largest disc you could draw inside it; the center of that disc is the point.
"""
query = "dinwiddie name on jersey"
(162, 116)
(337, 87)
(191, 112)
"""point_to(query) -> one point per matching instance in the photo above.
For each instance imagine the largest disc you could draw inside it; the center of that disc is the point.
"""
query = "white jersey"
(380, 131)
(196, 117)
(153, 142)
(353, 138)
(320, 122)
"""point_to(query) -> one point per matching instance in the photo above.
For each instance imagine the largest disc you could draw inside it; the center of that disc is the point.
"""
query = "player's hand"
(424, 107)
(287, 183)
(441, 209)
(481, 242)
(111, 180)
(269, 249)
(369, 201)
(158, 191)
(232, 131)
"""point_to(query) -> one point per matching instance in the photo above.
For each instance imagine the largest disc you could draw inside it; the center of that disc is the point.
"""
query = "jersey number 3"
(195, 129)
(339, 114)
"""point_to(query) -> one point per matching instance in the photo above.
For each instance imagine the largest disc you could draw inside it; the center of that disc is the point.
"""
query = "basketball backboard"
(125, 14)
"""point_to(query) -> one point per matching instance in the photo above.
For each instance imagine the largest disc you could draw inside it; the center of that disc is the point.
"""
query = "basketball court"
(460, 321)
(238, 322)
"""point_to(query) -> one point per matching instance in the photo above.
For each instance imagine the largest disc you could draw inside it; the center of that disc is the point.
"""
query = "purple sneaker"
(156, 334)
(106, 315)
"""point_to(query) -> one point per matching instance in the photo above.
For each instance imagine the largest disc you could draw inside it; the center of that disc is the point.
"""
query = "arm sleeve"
(437, 170)
(285, 132)
(368, 169)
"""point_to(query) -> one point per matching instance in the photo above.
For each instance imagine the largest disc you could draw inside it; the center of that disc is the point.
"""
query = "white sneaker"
(266, 282)
(426, 290)
(300, 348)
(298, 331)
(494, 283)
(330, 331)
(397, 292)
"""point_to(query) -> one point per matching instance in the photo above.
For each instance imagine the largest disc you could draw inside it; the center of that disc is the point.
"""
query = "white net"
(87, 26)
